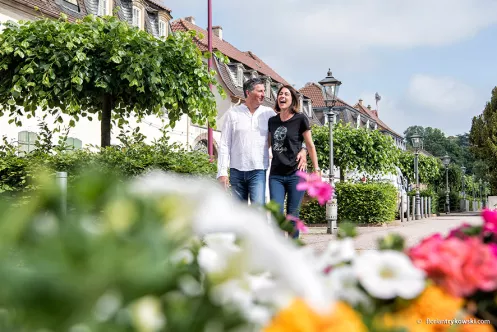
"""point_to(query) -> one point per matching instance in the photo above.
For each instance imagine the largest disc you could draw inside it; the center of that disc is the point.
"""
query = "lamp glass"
(446, 160)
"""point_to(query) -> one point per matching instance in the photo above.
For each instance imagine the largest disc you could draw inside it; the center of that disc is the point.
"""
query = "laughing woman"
(287, 130)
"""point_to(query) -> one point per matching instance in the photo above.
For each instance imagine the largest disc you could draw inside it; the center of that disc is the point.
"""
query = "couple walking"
(249, 131)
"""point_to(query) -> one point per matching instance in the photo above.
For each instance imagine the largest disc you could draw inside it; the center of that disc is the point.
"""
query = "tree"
(356, 149)
(429, 167)
(101, 67)
(483, 137)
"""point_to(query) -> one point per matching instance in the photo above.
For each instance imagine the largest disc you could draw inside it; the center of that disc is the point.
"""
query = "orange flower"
(299, 317)
(432, 304)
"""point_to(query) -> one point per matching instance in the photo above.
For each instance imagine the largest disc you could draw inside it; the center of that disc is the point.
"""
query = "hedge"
(372, 202)
(19, 172)
(311, 212)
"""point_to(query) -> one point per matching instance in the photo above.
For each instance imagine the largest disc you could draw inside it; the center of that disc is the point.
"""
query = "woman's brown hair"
(295, 106)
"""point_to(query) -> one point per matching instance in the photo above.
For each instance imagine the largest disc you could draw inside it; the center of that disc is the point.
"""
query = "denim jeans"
(247, 184)
(281, 185)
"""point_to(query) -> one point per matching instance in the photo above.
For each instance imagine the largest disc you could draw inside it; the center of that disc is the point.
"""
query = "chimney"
(190, 19)
(369, 107)
(218, 31)
(360, 102)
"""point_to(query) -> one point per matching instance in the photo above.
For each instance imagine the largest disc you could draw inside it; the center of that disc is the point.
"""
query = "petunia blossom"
(490, 221)
(315, 187)
(459, 266)
(387, 274)
(299, 224)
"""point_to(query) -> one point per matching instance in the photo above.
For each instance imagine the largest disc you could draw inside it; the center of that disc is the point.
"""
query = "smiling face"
(284, 99)
(256, 96)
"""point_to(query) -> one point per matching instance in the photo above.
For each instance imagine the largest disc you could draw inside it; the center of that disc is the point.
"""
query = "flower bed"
(170, 253)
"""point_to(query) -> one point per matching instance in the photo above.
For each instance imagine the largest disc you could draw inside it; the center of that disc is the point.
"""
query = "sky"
(433, 62)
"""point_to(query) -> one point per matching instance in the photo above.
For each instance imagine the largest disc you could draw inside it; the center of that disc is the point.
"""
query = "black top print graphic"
(286, 142)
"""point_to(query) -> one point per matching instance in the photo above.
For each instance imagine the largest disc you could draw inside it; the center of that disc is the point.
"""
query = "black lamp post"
(446, 162)
(463, 193)
(416, 144)
(481, 193)
(330, 87)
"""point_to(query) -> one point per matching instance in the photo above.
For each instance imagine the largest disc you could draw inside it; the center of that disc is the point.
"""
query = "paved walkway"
(412, 231)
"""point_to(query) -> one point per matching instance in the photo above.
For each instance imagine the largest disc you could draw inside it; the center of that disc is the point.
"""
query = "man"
(244, 145)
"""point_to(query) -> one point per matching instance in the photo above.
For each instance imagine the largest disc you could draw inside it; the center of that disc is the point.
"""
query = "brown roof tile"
(51, 9)
(158, 3)
(314, 92)
(249, 59)
(374, 115)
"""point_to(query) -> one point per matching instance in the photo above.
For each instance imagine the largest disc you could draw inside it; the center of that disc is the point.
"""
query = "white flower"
(264, 248)
(147, 314)
(338, 251)
(387, 274)
(183, 256)
(343, 283)
(216, 255)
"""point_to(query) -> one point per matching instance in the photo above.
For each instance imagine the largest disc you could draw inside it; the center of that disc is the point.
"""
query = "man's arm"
(223, 159)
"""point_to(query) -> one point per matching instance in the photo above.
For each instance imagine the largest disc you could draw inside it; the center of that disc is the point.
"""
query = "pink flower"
(315, 187)
(299, 224)
(459, 266)
(490, 221)
(493, 248)
(458, 232)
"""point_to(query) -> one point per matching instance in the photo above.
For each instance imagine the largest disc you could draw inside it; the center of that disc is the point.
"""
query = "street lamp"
(446, 162)
(330, 87)
(481, 195)
(463, 193)
(416, 144)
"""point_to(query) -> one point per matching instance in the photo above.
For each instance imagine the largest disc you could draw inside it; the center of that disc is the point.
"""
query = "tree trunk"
(342, 175)
(105, 122)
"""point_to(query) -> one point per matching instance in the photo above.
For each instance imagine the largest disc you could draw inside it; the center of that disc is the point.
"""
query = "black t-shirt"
(286, 142)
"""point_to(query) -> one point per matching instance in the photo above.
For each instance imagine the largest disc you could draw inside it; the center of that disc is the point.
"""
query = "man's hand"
(224, 181)
(302, 160)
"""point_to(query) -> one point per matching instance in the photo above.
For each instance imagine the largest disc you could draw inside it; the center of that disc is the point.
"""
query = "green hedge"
(366, 202)
(311, 212)
(19, 172)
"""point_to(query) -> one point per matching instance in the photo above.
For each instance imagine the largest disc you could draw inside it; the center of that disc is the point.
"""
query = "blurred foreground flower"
(315, 187)
(387, 274)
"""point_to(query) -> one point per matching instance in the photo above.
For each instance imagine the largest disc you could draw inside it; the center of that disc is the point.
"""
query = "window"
(162, 28)
(73, 143)
(137, 17)
(103, 7)
(240, 76)
(26, 141)
(358, 124)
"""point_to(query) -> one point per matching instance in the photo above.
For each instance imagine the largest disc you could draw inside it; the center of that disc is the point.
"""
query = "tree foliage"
(102, 68)
(429, 167)
(356, 149)
(483, 136)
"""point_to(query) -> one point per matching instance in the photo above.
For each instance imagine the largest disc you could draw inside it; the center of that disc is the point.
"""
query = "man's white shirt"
(244, 140)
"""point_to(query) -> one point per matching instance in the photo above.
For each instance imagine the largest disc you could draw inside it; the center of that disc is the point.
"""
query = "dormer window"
(104, 7)
(162, 28)
(358, 124)
(239, 75)
(137, 17)
(267, 88)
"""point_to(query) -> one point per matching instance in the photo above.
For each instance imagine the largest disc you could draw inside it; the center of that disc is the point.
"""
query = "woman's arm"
(311, 149)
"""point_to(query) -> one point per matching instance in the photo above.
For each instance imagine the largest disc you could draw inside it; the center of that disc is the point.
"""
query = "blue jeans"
(247, 184)
(281, 185)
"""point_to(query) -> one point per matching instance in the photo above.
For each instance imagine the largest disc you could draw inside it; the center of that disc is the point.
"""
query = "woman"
(287, 130)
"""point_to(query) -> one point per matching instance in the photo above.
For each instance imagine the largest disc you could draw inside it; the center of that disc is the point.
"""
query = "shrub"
(366, 202)
(311, 212)
(19, 171)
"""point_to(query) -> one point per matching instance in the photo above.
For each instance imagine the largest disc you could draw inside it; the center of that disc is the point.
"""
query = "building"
(358, 115)
(148, 15)
(242, 66)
